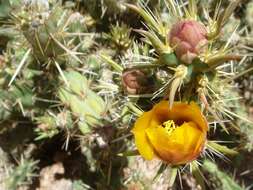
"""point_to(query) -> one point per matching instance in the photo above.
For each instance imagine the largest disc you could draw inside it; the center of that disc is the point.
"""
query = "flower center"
(169, 125)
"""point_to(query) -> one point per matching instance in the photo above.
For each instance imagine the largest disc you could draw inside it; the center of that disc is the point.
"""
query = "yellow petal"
(142, 122)
(143, 145)
(182, 145)
(178, 147)
(180, 112)
(192, 138)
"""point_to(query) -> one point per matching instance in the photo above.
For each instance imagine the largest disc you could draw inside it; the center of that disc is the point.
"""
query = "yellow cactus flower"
(176, 136)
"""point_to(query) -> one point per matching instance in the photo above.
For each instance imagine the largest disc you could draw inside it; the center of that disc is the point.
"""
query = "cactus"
(120, 37)
(85, 105)
(22, 174)
(82, 73)
(226, 182)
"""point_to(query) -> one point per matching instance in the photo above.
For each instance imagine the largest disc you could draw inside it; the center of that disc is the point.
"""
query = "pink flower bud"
(189, 39)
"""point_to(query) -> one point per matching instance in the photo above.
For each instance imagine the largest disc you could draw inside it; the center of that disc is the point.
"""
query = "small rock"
(48, 179)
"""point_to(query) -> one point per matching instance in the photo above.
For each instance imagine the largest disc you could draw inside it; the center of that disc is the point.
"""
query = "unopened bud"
(136, 82)
(189, 39)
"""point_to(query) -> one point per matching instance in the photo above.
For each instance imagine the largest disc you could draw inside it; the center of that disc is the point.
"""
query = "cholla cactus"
(88, 108)
(120, 37)
(198, 67)
(224, 180)
(22, 174)
(249, 14)
(179, 37)
(74, 75)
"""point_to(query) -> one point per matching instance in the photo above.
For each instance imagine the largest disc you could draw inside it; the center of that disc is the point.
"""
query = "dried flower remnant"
(189, 39)
(176, 136)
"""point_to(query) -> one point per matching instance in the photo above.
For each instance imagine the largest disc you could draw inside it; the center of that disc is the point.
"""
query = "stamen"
(169, 125)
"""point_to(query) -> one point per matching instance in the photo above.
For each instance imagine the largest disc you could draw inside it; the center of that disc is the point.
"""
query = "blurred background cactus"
(75, 75)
